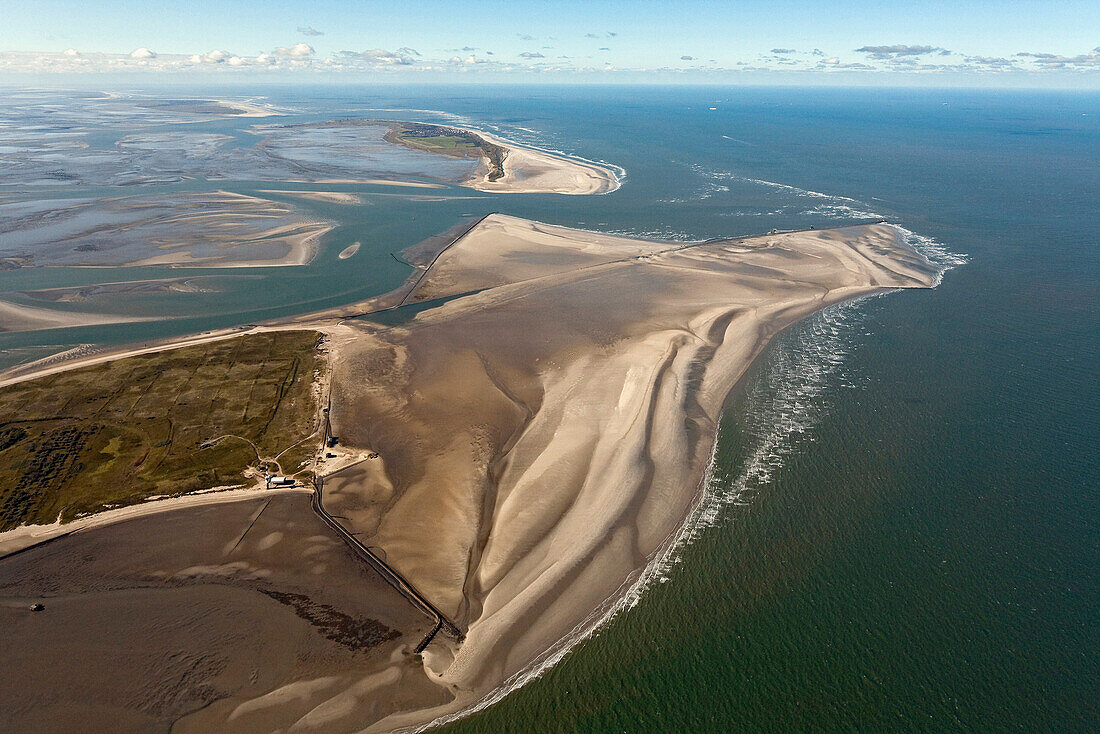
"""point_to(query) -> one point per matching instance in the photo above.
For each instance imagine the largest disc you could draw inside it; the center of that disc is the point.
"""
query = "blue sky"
(1051, 43)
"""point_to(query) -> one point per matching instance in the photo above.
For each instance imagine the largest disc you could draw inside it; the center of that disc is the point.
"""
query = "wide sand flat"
(537, 441)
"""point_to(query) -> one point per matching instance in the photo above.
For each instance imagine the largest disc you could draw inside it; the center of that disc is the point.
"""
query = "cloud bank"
(301, 57)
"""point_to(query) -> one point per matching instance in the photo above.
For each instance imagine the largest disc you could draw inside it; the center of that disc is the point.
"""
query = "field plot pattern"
(155, 424)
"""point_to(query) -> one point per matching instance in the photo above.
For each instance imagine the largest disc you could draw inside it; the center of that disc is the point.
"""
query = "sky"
(1024, 43)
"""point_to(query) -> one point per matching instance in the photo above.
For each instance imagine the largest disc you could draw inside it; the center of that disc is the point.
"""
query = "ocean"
(900, 531)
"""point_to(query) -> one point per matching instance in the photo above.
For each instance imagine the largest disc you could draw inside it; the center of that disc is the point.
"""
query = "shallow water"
(902, 526)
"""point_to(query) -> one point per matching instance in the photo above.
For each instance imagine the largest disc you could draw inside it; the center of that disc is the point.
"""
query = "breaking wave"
(541, 142)
(783, 403)
(833, 206)
(933, 250)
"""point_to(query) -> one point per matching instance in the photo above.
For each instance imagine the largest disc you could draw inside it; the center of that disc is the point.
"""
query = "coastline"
(531, 171)
(530, 587)
(553, 457)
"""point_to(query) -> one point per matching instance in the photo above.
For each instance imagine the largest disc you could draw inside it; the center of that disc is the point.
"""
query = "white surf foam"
(933, 250)
(783, 405)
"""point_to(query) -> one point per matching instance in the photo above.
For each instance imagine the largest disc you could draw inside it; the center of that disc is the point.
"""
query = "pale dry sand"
(504, 249)
(540, 440)
(527, 170)
(349, 250)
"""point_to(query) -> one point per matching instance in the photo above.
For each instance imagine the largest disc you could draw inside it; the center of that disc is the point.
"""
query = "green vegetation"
(447, 142)
(112, 434)
(450, 141)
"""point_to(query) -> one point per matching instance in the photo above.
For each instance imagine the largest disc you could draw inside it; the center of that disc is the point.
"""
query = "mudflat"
(149, 620)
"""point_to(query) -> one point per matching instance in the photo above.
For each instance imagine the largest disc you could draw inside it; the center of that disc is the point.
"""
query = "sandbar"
(19, 317)
(349, 251)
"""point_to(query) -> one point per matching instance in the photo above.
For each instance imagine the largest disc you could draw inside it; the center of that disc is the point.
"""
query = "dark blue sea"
(902, 530)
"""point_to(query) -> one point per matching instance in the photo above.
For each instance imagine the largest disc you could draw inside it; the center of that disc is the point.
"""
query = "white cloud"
(297, 51)
(310, 31)
(468, 61)
(213, 56)
(70, 52)
(142, 53)
(896, 51)
(1056, 61)
(380, 57)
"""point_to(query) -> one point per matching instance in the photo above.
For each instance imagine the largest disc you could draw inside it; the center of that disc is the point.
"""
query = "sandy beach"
(537, 441)
(531, 171)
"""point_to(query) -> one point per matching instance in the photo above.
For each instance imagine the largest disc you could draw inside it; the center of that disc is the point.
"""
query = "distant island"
(504, 167)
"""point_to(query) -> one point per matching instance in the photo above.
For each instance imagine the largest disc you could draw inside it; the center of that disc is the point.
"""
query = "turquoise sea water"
(901, 533)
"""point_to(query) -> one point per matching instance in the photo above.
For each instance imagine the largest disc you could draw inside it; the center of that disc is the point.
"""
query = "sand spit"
(540, 440)
(531, 171)
(249, 109)
(533, 444)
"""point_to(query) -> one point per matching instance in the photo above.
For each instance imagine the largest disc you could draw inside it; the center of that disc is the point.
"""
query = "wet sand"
(251, 601)
(104, 291)
(538, 440)
(215, 229)
(18, 317)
